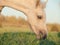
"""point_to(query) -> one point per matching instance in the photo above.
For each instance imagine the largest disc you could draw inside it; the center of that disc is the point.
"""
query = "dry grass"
(54, 27)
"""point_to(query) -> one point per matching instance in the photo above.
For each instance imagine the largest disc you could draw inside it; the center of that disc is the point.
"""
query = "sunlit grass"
(27, 38)
(24, 36)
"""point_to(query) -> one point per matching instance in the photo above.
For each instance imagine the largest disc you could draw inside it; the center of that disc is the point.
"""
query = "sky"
(52, 12)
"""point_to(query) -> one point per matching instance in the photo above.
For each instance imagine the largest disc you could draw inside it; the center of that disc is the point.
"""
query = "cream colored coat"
(34, 10)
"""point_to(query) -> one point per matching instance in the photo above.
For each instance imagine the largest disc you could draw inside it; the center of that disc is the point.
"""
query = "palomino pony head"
(35, 15)
(40, 25)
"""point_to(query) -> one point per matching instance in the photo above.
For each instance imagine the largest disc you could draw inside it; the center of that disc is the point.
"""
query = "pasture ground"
(24, 36)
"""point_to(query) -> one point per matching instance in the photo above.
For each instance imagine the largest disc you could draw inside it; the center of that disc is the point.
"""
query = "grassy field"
(20, 36)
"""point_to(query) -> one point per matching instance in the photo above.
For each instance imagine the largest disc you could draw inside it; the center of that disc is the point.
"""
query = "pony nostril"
(0, 10)
(44, 37)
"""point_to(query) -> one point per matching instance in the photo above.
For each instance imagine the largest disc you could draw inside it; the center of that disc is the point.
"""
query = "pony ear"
(44, 4)
(38, 1)
(41, 2)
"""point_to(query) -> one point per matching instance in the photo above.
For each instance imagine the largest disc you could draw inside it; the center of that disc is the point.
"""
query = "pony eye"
(39, 17)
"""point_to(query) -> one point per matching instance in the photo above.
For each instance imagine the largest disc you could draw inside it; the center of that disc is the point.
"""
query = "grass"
(15, 36)
(27, 38)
